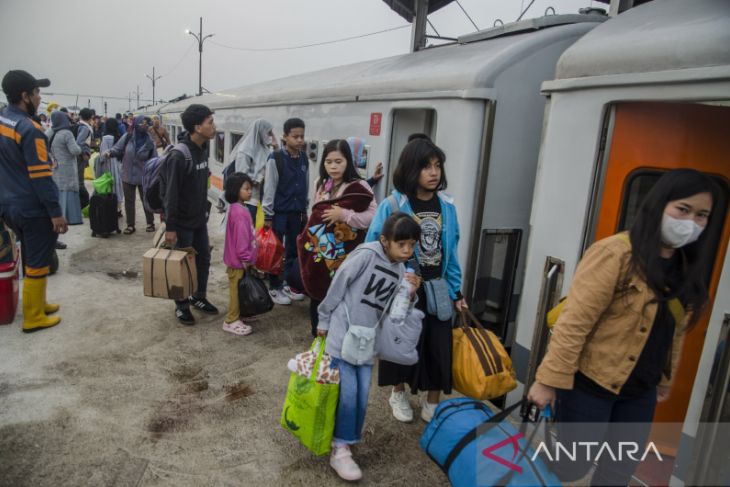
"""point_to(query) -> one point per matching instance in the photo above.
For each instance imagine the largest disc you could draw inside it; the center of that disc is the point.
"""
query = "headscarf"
(253, 152)
(140, 136)
(60, 121)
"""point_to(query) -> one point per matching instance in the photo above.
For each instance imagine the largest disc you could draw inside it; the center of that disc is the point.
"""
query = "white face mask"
(677, 233)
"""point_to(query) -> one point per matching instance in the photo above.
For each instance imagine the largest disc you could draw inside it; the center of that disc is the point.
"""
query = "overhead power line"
(291, 48)
(177, 65)
(105, 97)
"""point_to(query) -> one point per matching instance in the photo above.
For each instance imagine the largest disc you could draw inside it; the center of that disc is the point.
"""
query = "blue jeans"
(582, 407)
(287, 227)
(197, 239)
(353, 401)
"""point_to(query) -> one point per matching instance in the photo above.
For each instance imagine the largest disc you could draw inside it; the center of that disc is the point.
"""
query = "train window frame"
(236, 137)
(219, 154)
(499, 284)
(399, 134)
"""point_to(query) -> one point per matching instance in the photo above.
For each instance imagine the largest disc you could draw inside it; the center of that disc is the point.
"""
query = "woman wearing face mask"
(617, 342)
(251, 158)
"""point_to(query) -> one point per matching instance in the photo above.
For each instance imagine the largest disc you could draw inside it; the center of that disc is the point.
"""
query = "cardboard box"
(169, 274)
(159, 237)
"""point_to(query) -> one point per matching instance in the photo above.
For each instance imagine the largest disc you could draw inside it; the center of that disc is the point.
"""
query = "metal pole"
(154, 79)
(418, 31)
(200, 59)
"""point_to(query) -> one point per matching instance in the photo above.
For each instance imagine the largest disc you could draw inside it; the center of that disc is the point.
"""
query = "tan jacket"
(160, 136)
(605, 322)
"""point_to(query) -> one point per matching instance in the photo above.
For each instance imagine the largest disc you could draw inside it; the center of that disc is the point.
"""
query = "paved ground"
(119, 394)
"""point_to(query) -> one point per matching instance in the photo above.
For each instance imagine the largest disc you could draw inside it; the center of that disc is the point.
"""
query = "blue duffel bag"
(475, 447)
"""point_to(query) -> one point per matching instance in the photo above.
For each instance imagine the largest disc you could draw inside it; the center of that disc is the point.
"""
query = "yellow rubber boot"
(34, 300)
(51, 308)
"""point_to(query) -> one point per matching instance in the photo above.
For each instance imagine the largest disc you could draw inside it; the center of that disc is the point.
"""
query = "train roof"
(666, 36)
(462, 70)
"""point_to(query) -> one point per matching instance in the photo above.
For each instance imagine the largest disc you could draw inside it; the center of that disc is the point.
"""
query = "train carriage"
(644, 93)
(477, 98)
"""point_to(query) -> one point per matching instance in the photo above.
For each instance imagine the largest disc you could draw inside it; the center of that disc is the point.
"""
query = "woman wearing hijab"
(135, 148)
(64, 150)
(251, 158)
(111, 164)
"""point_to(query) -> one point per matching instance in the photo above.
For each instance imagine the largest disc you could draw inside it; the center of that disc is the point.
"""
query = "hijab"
(60, 121)
(112, 128)
(253, 151)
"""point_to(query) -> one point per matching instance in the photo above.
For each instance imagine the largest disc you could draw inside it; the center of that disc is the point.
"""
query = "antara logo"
(624, 450)
(515, 441)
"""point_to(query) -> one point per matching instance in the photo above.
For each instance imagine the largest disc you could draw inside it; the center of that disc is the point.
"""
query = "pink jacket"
(361, 220)
(240, 246)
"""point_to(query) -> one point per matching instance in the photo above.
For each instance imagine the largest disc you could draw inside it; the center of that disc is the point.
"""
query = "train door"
(407, 121)
(647, 140)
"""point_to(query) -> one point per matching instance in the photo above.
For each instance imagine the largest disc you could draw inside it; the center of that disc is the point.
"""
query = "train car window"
(235, 139)
(220, 142)
(408, 121)
(640, 183)
(492, 297)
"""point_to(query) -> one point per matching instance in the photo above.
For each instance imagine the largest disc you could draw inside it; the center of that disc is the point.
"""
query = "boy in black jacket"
(185, 195)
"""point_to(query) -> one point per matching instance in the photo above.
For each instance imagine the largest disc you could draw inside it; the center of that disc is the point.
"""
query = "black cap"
(18, 81)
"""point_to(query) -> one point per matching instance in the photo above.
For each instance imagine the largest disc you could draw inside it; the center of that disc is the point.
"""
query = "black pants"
(37, 241)
(287, 227)
(197, 239)
(586, 417)
(130, 204)
(314, 315)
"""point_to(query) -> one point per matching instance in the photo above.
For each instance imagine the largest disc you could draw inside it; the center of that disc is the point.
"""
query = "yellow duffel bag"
(481, 367)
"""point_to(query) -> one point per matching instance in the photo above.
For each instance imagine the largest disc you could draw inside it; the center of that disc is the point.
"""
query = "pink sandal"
(237, 328)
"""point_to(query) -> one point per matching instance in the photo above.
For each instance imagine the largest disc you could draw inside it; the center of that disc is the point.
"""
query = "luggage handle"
(467, 316)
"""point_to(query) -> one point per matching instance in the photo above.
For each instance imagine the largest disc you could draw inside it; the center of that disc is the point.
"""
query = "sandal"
(150, 228)
(237, 328)
(129, 231)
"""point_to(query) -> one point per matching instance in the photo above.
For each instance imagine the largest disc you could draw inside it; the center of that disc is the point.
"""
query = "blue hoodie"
(451, 271)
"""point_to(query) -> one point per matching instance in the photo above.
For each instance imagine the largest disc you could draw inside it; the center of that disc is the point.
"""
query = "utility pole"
(199, 37)
(129, 107)
(153, 79)
(138, 93)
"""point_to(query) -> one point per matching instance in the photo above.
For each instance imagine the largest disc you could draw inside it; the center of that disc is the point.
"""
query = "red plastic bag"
(270, 254)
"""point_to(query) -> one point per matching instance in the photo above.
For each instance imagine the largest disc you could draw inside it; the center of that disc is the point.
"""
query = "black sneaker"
(203, 305)
(184, 316)
(60, 245)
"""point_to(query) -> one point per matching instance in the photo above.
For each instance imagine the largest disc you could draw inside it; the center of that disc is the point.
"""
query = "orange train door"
(649, 139)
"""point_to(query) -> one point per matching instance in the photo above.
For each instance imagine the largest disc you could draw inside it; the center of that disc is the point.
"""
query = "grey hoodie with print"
(362, 287)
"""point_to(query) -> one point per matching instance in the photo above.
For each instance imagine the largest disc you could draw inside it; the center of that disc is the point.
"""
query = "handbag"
(310, 407)
(253, 296)
(358, 346)
(398, 343)
(438, 301)
(480, 367)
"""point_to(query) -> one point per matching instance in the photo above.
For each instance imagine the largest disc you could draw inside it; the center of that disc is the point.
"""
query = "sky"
(103, 47)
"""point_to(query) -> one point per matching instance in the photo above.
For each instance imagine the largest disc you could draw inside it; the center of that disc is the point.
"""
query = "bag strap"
(321, 341)
(545, 415)
(382, 315)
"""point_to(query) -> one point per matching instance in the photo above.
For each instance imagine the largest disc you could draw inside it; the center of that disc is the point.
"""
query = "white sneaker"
(402, 410)
(279, 297)
(427, 410)
(341, 460)
(294, 296)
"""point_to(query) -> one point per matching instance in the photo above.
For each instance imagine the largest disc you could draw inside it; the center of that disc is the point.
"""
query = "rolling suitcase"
(103, 215)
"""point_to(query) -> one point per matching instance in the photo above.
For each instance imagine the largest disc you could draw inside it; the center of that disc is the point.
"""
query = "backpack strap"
(279, 160)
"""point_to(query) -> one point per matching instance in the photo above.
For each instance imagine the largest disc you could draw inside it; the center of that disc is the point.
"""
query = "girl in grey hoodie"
(358, 296)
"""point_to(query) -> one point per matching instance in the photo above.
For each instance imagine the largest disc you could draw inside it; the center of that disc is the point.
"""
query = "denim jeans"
(581, 407)
(353, 401)
(287, 227)
(197, 239)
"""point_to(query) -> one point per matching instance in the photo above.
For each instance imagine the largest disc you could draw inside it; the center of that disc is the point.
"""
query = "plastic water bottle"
(402, 300)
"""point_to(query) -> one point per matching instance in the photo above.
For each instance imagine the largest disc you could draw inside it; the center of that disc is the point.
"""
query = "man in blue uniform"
(28, 196)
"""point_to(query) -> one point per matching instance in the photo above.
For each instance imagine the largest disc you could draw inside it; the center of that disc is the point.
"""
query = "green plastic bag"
(104, 184)
(85, 211)
(310, 408)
